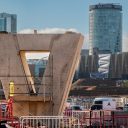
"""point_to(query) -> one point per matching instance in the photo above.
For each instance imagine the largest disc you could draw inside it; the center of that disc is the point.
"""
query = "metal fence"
(77, 119)
(100, 119)
(48, 122)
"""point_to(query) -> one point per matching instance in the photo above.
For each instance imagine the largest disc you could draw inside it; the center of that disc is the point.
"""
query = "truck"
(104, 103)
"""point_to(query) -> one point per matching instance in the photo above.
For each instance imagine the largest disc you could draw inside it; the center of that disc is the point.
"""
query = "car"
(96, 107)
(76, 108)
(70, 110)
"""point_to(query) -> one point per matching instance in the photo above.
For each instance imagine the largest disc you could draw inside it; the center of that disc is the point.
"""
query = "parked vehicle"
(76, 107)
(104, 103)
(125, 107)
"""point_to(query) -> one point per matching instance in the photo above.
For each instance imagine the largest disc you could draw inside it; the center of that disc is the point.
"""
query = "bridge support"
(64, 54)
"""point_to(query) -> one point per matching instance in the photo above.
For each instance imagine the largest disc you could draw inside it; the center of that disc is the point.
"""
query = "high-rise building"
(105, 28)
(8, 23)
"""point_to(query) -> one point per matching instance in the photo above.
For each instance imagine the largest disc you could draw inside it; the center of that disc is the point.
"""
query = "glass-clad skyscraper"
(105, 28)
(8, 23)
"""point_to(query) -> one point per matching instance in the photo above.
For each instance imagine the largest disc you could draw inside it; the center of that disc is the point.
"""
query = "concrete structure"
(8, 23)
(64, 53)
(119, 66)
(88, 64)
(105, 28)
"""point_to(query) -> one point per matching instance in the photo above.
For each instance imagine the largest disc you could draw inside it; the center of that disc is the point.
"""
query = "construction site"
(21, 96)
(25, 106)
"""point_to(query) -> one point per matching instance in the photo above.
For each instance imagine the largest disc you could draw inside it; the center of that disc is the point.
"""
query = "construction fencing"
(100, 119)
(48, 122)
(72, 119)
(78, 119)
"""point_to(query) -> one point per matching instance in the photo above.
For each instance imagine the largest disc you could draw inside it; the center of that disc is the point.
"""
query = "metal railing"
(100, 119)
(74, 119)
(48, 122)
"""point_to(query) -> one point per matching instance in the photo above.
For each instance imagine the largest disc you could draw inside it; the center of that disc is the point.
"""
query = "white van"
(125, 107)
(104, 103)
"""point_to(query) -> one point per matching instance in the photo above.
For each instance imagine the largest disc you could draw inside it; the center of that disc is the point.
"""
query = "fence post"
(90, 118)
(100, 119)
(113, 119)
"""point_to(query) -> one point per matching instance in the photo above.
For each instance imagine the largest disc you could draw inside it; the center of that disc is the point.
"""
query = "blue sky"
(41, 14)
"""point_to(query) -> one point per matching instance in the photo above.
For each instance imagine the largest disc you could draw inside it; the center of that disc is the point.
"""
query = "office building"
(105, 28)
(8, 23)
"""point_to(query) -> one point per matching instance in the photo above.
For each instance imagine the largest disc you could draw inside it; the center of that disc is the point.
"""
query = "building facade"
(105, 28)
(8, 23)
(115, 66)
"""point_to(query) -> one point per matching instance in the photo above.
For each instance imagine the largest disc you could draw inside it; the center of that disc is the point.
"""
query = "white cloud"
(48, 30)
(57, 30)
(27, 31)
(125, 43)
(86, 41)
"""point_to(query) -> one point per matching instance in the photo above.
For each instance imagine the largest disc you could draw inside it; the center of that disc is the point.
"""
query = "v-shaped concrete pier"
(64, 54)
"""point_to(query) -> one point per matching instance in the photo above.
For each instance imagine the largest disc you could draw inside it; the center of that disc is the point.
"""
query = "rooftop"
(105, 6)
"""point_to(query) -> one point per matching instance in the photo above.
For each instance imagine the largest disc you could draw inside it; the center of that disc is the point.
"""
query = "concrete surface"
(64, 53)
